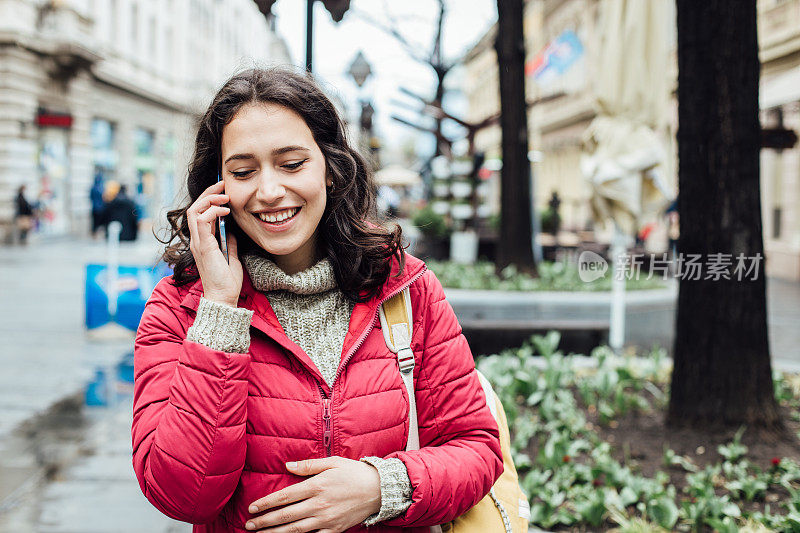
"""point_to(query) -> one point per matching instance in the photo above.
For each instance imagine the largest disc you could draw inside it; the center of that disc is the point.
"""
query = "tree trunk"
(722, 372)
(515, 246)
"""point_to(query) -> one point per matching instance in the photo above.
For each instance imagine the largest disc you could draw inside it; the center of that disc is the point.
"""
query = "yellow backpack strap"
(397, 323)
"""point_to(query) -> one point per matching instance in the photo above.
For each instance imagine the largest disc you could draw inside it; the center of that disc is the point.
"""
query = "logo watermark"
(591, 266)
(714, 267)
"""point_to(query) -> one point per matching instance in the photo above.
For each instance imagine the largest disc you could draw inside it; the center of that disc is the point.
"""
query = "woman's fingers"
(292, 514)
(203, 203)
(307, 524)
(292, 493)
(212, 213)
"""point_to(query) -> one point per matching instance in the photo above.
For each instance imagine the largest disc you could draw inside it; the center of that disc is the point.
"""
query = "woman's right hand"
(222, 282)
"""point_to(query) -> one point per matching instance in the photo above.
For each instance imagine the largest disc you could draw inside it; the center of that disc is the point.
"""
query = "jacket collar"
(363, 316)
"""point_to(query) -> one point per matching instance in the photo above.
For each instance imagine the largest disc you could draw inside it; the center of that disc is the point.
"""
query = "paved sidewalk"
(45, 355)
(783, 303)
(99, 493)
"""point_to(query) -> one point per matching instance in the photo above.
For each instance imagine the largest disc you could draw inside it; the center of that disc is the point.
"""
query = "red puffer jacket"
(212, 430)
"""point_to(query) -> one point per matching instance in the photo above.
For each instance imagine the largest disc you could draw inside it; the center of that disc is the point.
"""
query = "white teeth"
(278, 217)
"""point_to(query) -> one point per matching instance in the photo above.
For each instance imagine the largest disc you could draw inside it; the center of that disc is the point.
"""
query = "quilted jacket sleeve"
(460, 456)
(189, 414)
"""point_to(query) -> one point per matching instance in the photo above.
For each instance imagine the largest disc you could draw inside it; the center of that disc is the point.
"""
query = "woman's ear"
(328, 182)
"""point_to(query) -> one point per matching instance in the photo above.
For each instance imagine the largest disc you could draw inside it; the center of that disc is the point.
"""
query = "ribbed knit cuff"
(221, 327)
(395, 488)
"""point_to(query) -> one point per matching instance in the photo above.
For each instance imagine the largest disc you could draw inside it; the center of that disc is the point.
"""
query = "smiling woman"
(265, 396)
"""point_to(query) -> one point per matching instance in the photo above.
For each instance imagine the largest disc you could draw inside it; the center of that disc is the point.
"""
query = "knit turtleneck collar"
(267, 276)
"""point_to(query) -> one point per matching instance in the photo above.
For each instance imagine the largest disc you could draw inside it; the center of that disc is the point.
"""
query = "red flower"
(775, 461)
(566, 458)
(597, 482)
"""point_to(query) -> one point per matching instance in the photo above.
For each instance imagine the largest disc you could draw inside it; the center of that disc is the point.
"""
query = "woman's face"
(274, 173)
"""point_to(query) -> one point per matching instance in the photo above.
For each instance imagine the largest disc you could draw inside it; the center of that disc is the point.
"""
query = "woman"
(265, 396)
(23, 215)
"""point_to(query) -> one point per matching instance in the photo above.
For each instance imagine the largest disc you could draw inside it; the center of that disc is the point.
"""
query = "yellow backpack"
(505, 508)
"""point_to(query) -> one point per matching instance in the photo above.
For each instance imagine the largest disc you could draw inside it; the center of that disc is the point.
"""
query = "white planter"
(461, 168)
(440, 208)
(485, 211)
(440, 190)
(460, 211)
(461, 189)
(464, 247)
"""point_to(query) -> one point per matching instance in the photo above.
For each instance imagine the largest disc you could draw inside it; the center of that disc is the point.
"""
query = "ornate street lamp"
(359, 69)
(337, 9)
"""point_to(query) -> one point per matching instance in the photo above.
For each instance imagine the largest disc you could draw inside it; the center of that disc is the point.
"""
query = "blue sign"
(134, 285)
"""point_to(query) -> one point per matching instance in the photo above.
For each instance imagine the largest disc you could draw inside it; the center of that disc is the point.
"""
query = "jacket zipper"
(326, 402)
(326, 421)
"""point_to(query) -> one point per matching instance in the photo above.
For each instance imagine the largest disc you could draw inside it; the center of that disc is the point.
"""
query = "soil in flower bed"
(639, 439)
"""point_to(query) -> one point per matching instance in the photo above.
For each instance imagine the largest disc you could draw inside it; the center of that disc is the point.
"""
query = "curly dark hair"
(357, 247)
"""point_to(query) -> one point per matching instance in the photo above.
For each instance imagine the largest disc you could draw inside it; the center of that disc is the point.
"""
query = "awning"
(396, 175)
(781, 89)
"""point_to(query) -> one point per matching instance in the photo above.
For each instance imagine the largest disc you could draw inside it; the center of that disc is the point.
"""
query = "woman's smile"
(279, 220)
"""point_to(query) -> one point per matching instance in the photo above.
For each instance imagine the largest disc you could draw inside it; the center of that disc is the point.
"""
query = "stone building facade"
(112, 88)
(563, 110)
(779, 43)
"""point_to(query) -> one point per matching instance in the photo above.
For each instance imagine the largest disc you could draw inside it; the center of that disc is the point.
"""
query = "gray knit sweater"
(315, 315)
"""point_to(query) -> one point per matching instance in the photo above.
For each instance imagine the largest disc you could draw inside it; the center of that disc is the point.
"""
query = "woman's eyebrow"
(240, 156)
(277, 151)
(293, 148)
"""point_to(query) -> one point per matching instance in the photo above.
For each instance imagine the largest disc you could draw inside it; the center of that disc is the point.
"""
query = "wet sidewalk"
(45, 354)
(47, 361)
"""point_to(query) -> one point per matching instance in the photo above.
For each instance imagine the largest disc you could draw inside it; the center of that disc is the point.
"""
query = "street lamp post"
(360, 71)
(337, 9)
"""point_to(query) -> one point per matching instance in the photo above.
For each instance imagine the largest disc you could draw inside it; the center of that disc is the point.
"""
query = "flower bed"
(586, 444)
(553, 276)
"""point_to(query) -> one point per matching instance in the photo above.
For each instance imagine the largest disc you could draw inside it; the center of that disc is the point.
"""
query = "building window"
(112, 21)
(135, 27)
(103, 134)
(152, 40)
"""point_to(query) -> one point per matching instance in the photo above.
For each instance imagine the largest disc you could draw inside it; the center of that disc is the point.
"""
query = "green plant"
(735, 450)
(553, 276)
(575, 481)
(550, 220)
(430, 223)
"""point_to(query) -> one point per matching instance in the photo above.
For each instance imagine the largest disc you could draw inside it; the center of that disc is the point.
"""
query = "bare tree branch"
(436, 49)
(391, 29)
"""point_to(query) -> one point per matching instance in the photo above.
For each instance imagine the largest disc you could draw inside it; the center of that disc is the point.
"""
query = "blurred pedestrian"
(23, 216)
(98, 204)
(123, 210)
(555, 204)
(673, 227)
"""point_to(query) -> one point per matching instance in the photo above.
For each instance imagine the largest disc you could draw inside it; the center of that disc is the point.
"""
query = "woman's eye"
(293, 166)
(241, 173)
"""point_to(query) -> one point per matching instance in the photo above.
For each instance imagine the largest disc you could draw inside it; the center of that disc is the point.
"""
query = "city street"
(47, 359)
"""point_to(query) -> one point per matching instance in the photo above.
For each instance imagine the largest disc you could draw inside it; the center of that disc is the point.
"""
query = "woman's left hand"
(339, 494)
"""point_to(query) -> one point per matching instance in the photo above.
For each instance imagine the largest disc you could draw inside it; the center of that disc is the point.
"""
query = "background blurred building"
(779, 40)
(562, 45)
(112, 88)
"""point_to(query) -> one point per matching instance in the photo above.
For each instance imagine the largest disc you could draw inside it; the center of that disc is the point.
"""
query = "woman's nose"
(270, 189)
